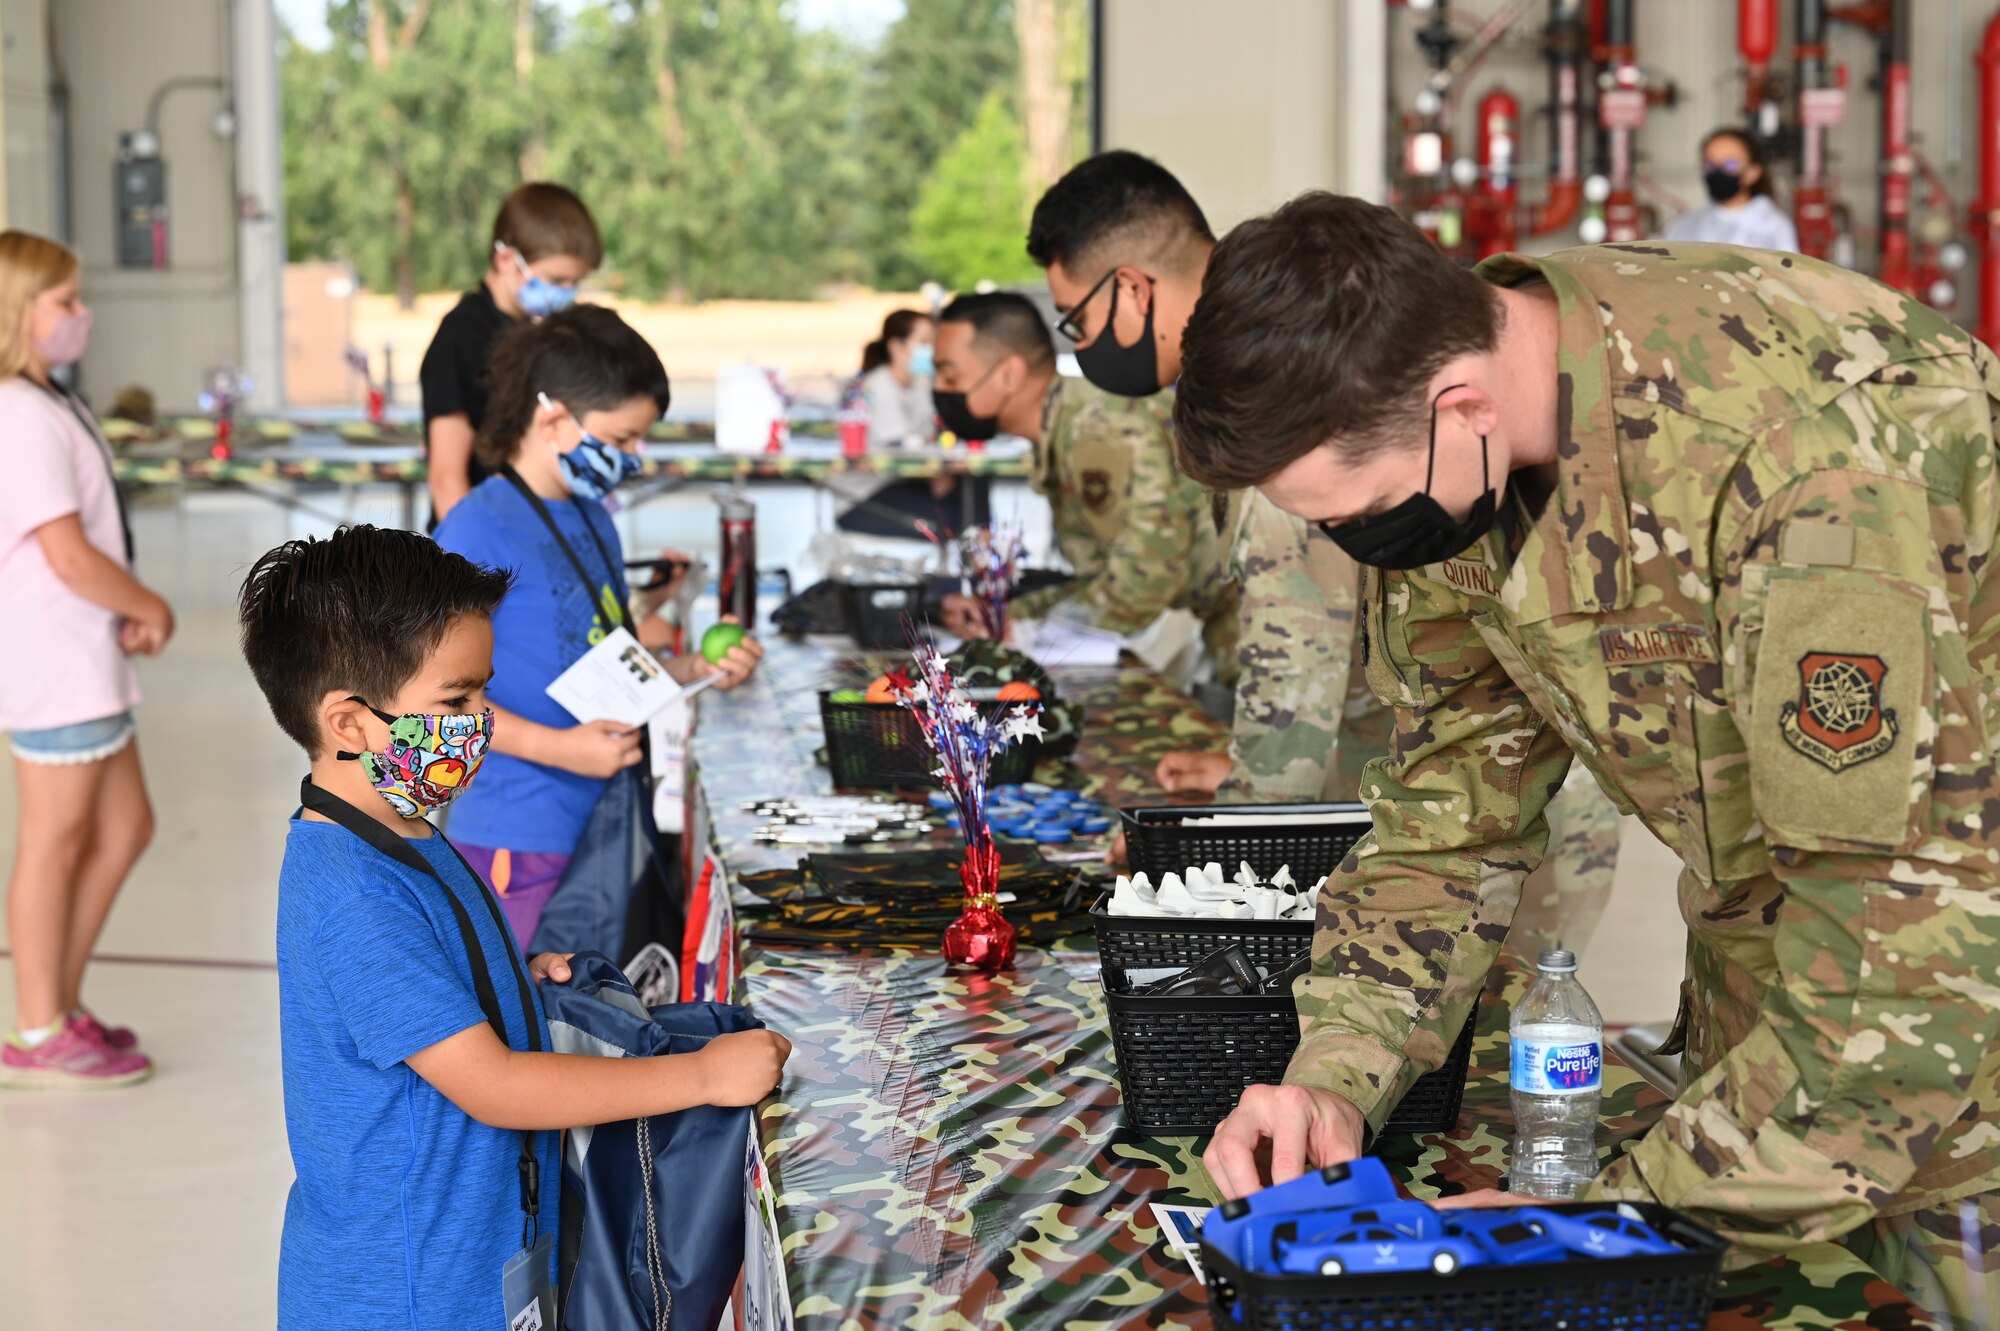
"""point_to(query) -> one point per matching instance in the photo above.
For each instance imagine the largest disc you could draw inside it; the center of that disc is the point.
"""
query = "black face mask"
(1417, 532)
(958, 418)
(1722, 185)
(1132, 371)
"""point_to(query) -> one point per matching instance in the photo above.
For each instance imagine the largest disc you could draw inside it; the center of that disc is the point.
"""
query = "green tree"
(926, 83)
(725, 150)
(973, 210)
(396, 135)
(713, 142)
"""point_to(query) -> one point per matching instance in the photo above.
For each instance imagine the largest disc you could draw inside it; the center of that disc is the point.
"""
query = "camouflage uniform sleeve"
(1293, 656)
(1146, 531)
(1861, 619)
(1410, 925)
(1036, 605)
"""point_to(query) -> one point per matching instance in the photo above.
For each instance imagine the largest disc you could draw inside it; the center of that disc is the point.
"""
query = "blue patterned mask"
(593, 469)
(540, 297)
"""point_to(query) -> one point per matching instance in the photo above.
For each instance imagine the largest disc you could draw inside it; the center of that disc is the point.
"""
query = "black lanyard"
(338, 810)
(89, 424)
(590, 586)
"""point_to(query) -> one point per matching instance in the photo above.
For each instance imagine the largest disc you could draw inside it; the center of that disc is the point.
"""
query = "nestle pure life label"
(1557, 1060)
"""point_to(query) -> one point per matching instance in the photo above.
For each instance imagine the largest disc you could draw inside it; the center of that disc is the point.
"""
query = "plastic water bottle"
(1557, 1080)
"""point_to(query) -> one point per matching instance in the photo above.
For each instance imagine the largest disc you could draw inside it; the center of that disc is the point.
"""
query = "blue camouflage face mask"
(539, 297)
(593, 469)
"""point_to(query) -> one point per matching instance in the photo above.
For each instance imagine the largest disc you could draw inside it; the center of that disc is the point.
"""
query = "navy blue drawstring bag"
(652, 1209)
(588, 909)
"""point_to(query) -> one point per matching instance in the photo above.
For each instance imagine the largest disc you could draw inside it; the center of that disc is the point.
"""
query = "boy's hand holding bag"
(652, 1209)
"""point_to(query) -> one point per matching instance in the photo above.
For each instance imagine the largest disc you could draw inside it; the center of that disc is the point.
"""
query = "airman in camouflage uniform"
(1138, 533)
(1307, 724)
(1759, 608)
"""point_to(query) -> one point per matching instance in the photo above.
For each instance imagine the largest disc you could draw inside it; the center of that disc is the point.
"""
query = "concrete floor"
(158, 1208)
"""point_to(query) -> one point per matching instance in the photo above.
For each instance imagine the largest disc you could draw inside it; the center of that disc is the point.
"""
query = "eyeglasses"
(1068, 325)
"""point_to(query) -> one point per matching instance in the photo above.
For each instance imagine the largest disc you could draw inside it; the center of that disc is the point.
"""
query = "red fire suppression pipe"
(1757, 42)
(1821, 106)
(1568, 44)
(1897, 164)
(1499, 151)
(1986, 213)
(1621, 110)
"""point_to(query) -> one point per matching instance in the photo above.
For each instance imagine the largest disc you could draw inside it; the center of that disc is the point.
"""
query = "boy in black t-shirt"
(545, 242)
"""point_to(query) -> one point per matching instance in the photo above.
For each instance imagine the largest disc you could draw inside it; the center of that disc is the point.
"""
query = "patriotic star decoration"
(962, 735)
(1022, 724)
(991, 558)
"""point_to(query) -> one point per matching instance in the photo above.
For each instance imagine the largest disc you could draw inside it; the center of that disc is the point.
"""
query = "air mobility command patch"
(1838, 720)
(1839, 668)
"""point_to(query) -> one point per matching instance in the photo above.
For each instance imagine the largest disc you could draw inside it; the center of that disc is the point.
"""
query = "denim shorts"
(84, 742)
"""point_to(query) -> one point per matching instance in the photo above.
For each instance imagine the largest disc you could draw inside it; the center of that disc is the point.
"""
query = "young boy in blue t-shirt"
(412, 1120)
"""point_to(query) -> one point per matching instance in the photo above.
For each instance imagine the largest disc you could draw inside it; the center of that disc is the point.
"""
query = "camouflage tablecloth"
(760, 741)
(358, 453)
(259, 431)
(948, 1149)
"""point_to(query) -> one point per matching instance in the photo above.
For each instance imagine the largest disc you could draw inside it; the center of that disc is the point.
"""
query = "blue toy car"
(1411, 1219)
(1245, 1227)
(1506, 1237)
(1356, 1183)
(1267, 1237)
(1373, 1250)
(1600, 1234)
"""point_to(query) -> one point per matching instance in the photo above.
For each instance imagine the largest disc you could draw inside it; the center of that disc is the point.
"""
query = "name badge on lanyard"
(530, 1294)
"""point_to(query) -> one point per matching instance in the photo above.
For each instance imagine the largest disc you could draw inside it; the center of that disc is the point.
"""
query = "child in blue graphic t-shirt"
(416, 1102)
(572, 397)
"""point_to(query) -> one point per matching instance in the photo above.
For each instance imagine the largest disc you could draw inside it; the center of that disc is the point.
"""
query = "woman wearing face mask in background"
(1741, 211)
(896, 381)
(73, 613)
(573, 397)
(545, 243)
(896, 390)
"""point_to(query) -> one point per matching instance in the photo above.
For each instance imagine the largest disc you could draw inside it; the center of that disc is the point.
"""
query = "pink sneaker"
(70, 1060)
(122, 1039)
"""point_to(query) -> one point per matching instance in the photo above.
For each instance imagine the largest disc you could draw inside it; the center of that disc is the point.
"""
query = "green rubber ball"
(716, 643)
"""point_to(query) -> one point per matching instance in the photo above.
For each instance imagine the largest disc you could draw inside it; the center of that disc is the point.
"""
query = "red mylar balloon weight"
(980, 938)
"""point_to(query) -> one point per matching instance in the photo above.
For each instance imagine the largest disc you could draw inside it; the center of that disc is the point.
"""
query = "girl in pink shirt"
(74, 614)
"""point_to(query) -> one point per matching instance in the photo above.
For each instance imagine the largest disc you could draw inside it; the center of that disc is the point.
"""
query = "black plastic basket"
(1159, 840)
(880, 746)
(1132, 942)
(876, 611)
(1184, 1062)
(1663, 1292)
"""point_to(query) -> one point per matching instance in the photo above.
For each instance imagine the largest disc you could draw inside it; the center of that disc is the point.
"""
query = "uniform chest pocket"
(1836, 670)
